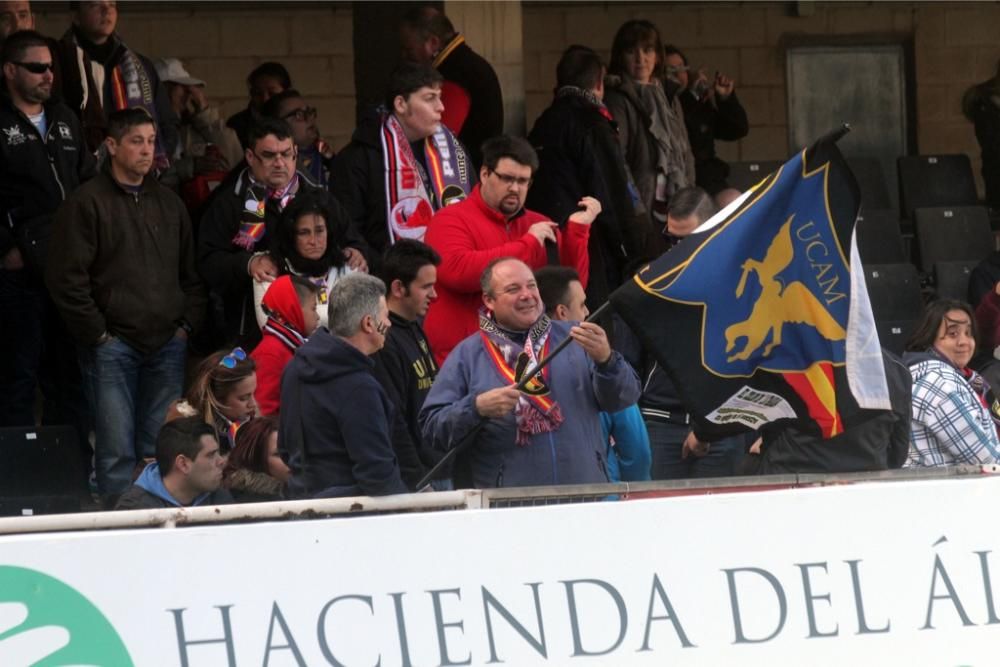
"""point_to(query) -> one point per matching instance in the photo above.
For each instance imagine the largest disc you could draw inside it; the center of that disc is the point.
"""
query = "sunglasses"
(233, 358)
(36, 68)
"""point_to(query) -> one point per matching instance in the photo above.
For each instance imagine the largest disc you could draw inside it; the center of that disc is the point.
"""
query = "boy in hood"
(187, 471)
(290, 305)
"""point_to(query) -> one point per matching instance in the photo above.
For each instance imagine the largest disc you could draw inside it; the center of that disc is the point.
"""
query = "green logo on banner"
(45, 623)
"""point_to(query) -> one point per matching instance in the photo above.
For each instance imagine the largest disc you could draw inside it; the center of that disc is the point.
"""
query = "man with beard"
(493, 223)
(43, 159)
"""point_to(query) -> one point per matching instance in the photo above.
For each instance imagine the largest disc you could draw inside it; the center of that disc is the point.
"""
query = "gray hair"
(351, 298)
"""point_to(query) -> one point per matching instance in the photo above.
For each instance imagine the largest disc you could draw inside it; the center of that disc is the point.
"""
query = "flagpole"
(522, 383)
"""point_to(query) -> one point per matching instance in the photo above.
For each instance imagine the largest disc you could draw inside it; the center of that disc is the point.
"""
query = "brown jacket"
(124, 263)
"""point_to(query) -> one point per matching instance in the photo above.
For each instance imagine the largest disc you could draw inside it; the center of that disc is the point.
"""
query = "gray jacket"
(572, 454)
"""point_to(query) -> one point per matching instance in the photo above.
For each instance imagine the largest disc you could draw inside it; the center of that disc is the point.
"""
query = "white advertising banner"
(891, 573)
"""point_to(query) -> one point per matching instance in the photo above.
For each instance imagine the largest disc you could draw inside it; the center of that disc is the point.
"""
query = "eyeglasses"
(381, 327)
(300, 114)
(509, 180)
(36, 68)
(677, 69)
(270, 157)
(233, 358)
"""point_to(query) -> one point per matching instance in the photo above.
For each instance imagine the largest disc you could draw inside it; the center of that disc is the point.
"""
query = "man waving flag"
(761, 314)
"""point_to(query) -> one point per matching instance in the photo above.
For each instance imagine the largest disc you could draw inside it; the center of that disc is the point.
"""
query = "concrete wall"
(956, 44)
(222, 44)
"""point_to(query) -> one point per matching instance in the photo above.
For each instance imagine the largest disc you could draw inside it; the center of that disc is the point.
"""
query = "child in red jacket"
(290, 306)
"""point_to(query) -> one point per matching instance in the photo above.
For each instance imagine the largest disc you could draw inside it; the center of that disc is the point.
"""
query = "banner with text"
(883, 573)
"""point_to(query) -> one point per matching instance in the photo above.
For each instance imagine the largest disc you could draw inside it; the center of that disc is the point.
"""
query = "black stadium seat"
(871, 181)
(952, 233)
(935, 180)
(41, 471)
(951, 279)
(879, 238)
(894, 290)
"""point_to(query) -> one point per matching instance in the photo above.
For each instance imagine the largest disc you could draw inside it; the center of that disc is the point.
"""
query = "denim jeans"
(129, 393)
(666, 441)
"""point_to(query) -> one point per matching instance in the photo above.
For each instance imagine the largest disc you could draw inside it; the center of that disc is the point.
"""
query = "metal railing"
(462, 500)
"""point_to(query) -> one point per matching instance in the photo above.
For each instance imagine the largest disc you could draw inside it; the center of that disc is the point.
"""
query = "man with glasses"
(43, 159)
(335, 430)
(239, 226)
(121, 271)
(315, 155)
(493, 223)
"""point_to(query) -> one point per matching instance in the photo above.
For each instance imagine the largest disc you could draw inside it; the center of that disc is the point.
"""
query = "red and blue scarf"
(537, 410)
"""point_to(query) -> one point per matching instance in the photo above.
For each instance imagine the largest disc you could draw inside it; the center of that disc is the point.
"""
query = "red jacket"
(468, 236)
(281, 336)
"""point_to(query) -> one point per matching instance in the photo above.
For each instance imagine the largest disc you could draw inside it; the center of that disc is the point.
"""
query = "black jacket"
(470, 70)
(707, 121)
(123, 262)
(405, 368)
(358, 183)
(335, 429)
(223, 265)
(36, 174)
(240, 123)
(579, 155)
(872, 439)
(94, 107)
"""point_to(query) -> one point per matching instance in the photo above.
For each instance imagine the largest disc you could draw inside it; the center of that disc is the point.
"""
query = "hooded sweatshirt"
(282, 335)
(335, 423)
(148, 492)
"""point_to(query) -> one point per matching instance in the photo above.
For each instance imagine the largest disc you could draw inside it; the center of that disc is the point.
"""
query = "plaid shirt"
(950, 425)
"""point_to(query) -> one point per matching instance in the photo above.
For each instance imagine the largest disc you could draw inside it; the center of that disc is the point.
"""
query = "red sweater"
(468, 236)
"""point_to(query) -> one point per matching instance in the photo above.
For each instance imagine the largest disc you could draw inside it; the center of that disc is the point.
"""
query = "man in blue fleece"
(187, 472)
(551, 432)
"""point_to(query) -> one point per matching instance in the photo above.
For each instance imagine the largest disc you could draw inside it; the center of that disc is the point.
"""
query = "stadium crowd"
(231, 309)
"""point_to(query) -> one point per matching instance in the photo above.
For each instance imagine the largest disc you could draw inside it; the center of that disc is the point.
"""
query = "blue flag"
(756, 314)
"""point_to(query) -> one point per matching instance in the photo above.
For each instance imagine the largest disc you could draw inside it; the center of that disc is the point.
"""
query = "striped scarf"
(536, 411)
(284, 332)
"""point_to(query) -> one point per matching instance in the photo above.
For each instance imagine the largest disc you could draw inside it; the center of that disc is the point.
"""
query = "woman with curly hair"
(305, 245)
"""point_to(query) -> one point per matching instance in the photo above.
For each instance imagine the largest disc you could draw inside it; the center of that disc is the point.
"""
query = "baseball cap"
(171, 70)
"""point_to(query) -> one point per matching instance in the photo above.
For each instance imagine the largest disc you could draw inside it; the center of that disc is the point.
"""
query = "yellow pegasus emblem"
(778, 304)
